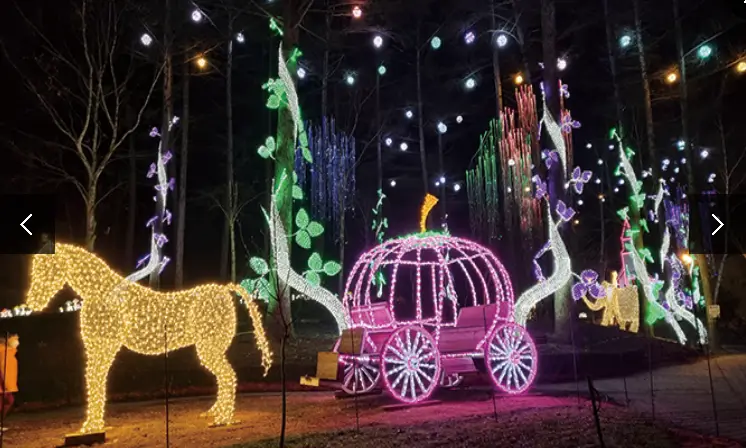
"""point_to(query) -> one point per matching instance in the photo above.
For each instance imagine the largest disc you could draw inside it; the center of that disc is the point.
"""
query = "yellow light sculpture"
(620, 307)
(116, 314)
(428, 205)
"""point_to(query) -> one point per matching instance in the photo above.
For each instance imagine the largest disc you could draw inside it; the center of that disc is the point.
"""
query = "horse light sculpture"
(145, 321)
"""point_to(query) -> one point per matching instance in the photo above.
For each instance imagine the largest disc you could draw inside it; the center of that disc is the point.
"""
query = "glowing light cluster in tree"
(144, 321)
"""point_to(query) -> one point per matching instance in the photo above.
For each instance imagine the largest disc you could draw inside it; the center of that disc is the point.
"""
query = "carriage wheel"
(451, 380)
(511, 357)
(360, 375)
(411, 364)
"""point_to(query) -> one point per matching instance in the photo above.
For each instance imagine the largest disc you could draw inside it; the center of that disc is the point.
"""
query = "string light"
(392, 183)
(442, 179)
(145, 321)
(704, 51)
(146, 39)
(435, 42)
(403, 146)
(459, 119)
(588, 146)
(240, 38)
(357, 12)
(381, 70)
(301, 72)
(598, 181)
(704, 154)
(671, 77)
(681, 144)
(518, 79)
(502, 40)
(456, 187)
(197, 16)
(378, 41)
(469, 37)
(741, 67)
(600, 161)
(350, 80)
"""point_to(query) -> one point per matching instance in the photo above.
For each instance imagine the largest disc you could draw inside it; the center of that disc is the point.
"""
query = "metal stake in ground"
(594, 395)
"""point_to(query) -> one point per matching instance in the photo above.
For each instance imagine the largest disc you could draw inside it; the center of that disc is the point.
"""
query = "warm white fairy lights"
(144, 321)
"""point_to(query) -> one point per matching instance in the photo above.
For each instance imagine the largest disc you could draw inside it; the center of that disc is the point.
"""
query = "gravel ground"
(461, 418)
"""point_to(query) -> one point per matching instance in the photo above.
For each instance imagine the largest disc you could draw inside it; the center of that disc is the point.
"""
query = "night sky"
(26, 130)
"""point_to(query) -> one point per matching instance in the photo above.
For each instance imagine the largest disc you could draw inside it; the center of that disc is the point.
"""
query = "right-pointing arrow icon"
(719, 222)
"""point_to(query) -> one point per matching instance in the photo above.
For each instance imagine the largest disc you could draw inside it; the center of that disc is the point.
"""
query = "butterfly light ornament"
(579, 179)
(550, 157)
(588, 285)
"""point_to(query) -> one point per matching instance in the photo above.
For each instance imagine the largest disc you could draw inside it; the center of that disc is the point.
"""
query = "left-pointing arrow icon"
(30, 215)
(719, 222)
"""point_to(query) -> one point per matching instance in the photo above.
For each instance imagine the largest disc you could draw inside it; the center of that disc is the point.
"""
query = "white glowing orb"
(459, 119)
(301, 72)
(435, 42)
(378, 41)
(350, 80)
(392, 183)
(197, 16)
(511, 162)
(598, 181)
(625, 41)
(456, 187)
(588, 146)
(409, 114)
(240, 38)
(403, 146)
(146, 40)
(442, 128)
(469, 37)
(389, 141)
(600, 161)
(502, 40)
(561, 64)
(704, 154)
(470, 83)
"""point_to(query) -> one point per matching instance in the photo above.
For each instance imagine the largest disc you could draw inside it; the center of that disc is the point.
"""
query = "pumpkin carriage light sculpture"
(446, 334)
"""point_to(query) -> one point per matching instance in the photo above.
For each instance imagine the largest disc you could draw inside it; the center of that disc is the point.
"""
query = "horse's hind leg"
(100, 355)
(213, 357)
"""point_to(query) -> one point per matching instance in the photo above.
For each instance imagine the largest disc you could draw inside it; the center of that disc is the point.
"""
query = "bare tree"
(183, 159)
(83, 90)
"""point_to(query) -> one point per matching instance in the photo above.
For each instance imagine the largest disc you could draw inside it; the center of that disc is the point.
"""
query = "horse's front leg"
(100, 355)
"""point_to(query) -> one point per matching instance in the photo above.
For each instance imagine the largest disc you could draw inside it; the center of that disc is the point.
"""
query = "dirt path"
(143, 424)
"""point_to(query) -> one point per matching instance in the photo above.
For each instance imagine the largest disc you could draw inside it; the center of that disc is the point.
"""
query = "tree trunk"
(182, 190)
(612, 69)
(285, 153)
(129, 245)
(557, 175)
(691, 180)
(90, 213)
(325, 77)
(652, 162)
(231, 194)
(496, 63)
(519, 12)
(379, 159)
(421, 122)
(167, 115)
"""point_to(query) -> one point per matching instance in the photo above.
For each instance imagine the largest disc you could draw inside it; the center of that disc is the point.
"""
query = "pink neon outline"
(436, 359)
(534, 356)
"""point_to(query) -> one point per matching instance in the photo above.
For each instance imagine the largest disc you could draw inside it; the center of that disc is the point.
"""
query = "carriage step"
(400, 406)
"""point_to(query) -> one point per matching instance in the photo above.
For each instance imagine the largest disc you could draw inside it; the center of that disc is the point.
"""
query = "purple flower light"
(550, 157)
(588, 285)
(566, 213)
(154, 132)
(568, 124)
(579, 179)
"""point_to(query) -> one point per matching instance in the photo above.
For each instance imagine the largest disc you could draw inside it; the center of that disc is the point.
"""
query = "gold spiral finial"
(428, 205)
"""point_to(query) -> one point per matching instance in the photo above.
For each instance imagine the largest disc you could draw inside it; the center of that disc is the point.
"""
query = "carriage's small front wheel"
(511, 358)
(411, 364)
(360, 374)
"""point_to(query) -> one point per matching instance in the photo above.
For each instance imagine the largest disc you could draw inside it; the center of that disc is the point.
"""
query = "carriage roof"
(436, 259)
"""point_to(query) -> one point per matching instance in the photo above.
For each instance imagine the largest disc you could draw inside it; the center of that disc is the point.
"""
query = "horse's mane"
(81, 253)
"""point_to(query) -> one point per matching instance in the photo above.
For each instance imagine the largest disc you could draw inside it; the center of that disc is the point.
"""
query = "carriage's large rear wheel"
(411, 364)
(510, 355)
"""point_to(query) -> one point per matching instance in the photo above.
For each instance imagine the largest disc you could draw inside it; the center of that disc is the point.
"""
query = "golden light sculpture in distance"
(428, 205)
(118, 313)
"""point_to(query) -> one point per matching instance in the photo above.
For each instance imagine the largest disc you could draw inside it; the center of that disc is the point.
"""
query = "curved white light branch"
(555, 133)
(559, 278)
(288, 278)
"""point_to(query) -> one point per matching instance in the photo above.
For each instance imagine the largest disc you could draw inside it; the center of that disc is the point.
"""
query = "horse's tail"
(256, 319)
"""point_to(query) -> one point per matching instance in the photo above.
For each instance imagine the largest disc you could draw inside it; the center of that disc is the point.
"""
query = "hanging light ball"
(704, 51)
(392, 183)
(301, 72)
(350, 80)
(197, 16)
(435, 42)
(741, 67)
(511, 162)
(459, 119)
(672, 77)
(388, 141)
(598, 181)
(704, 154)
(442, 179)
(600, 161)
(146, 39)
(442, 128)
(470, 83)
(381, 69)
(469, 37)
(357, 12)
(409, 114)
(456, 187)
(588, 146)
(201, 62)
(403, 146)
(378, 41)
(625, 41)
(502, 40)
(240, 38)
(561, 64)
(518, 80)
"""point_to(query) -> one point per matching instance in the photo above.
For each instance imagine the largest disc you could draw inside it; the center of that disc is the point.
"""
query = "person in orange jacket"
(8, 372)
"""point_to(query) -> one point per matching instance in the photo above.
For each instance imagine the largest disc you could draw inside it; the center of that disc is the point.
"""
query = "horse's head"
(47, 278)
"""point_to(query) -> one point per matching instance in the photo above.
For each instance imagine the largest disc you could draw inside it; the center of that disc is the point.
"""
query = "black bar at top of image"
(27, 223)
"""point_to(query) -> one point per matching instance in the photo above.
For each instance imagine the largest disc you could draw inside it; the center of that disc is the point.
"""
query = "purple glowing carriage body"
(412, 350)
